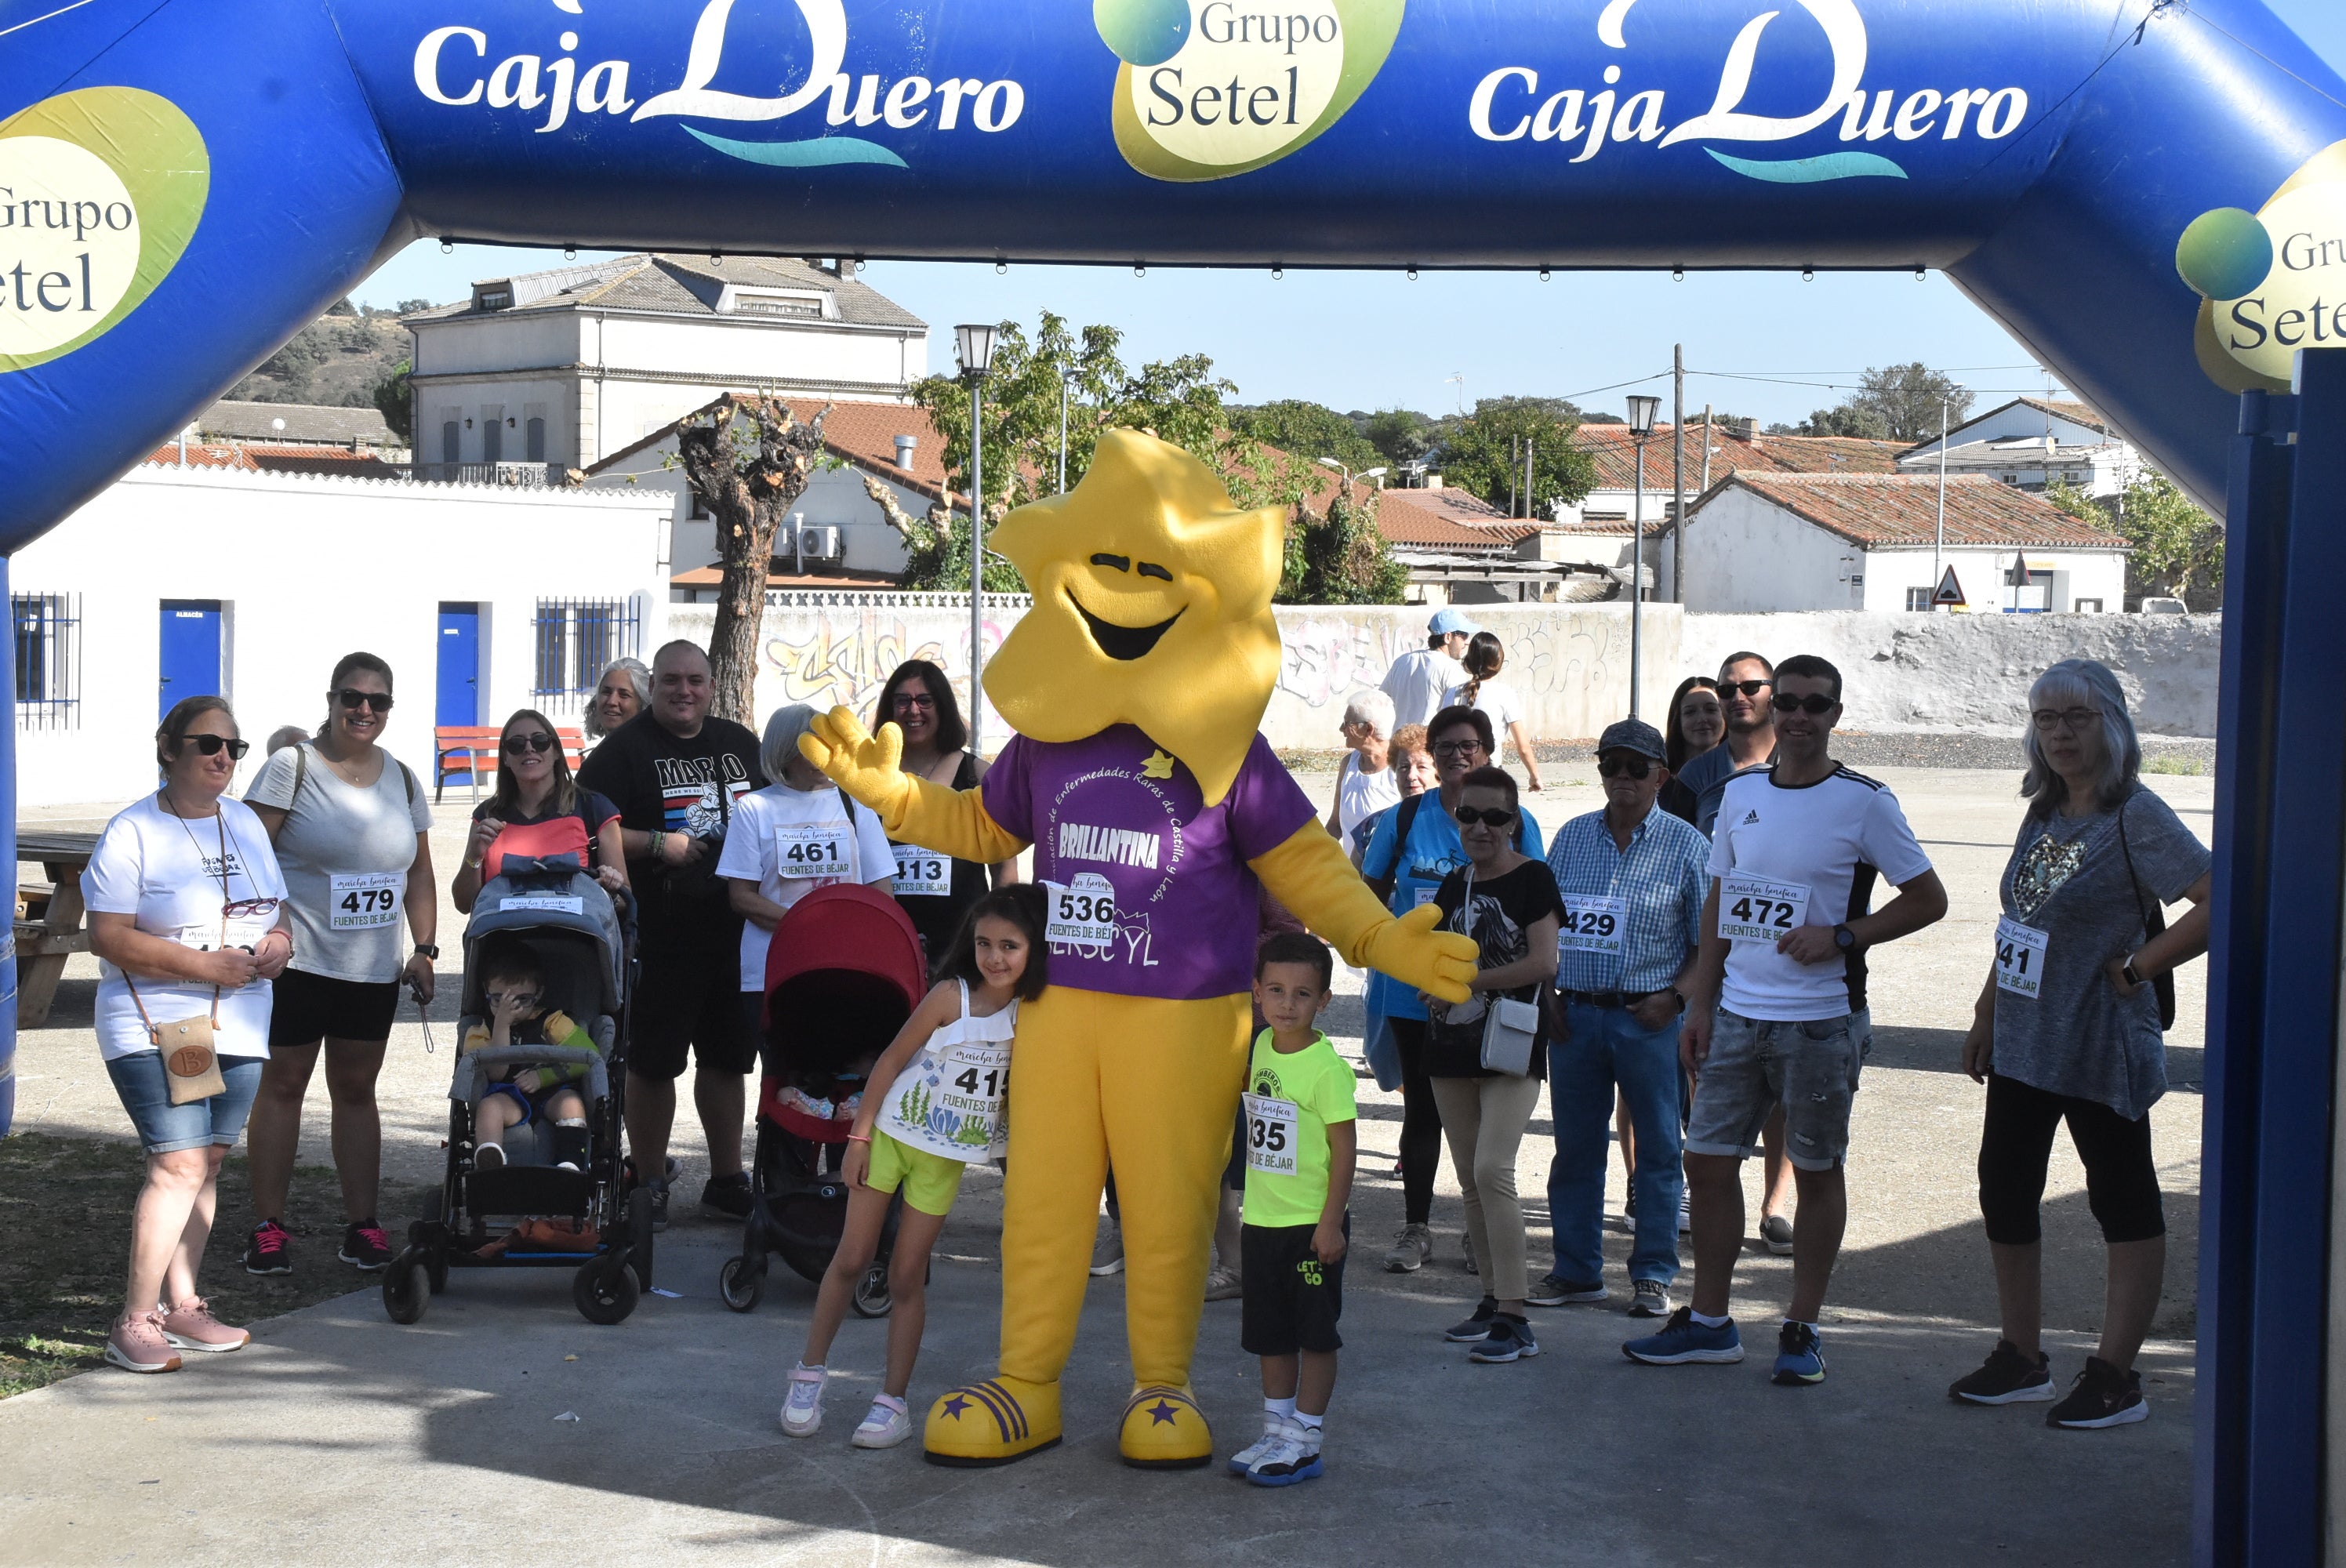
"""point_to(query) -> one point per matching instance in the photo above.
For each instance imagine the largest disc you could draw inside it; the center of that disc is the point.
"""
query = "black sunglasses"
(1748, 688)
(906, 701)
(517, 744)
(1494, 817)
(209, 744)
(378, 700)
(1458, 748)
(1634, 766)
(1809, 703)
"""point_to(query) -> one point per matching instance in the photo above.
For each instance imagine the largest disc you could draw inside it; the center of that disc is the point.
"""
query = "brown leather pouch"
(190, 1064)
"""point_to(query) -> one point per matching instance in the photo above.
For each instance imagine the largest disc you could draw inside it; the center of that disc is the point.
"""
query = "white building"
(178, 581)
(2031, 443)
(567, 367)
(1771, 542)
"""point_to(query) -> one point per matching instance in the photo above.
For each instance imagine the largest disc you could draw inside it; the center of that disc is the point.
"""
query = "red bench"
(471, 750)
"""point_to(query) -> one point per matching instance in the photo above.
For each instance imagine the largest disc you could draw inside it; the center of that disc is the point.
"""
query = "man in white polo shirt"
(1419, 678)
(1775, 1012)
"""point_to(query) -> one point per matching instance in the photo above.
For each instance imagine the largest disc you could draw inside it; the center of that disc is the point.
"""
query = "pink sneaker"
(136, 1345)
(191, 1326)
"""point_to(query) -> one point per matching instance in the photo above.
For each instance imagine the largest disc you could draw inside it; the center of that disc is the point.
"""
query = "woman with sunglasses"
(1697, 723)
(935, 890)
(1506, 901)
(188, 920)
(538, 810)
(353, 832)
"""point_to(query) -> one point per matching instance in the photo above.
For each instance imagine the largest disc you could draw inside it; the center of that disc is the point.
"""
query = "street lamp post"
(1063, 430)
(1641, 425)
(975, 342)
(1939, 540)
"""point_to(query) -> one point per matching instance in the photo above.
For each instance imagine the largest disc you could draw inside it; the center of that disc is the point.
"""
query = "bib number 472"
(1774, 912)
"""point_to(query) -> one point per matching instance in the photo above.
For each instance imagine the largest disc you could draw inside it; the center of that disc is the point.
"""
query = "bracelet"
(857, 1138)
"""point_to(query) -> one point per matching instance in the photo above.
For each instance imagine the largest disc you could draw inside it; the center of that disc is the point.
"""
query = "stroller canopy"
(847, 927)
(566, 918)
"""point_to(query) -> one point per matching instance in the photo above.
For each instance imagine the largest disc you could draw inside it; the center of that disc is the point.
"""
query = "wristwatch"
(2132, 978)
(1844, 939)
(426, 950)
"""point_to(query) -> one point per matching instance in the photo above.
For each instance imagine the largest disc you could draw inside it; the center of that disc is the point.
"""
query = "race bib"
(246, 922)
(1082, 913)
(2019, 958)
(922, 873)
(951, 1106)
(1592, 924)
(1422, 895)
(1270, 1135)
(1751, 909)
(365, 900)
(811, 850)
(553, 904)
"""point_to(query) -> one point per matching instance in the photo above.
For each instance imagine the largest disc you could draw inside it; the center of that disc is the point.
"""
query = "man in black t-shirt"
(676, 775)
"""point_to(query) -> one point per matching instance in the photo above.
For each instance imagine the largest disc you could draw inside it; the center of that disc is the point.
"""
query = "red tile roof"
(200, 456)
(1451, 519)
(1613, 450)
(1876, 510)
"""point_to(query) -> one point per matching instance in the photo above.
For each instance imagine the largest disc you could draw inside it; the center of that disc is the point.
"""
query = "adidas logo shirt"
(1835, 838)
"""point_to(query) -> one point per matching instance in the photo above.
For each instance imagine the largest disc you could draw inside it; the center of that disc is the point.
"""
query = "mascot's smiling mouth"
(1126, 643)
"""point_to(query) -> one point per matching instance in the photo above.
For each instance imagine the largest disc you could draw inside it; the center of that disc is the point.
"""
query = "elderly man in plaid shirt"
(1633, 881)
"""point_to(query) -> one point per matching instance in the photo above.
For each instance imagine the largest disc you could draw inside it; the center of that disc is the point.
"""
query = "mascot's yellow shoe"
(992, 1422)
(1164, 1429)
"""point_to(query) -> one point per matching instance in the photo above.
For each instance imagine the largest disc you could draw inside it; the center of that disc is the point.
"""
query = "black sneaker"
(270, 1250)
(726, 1197)
(658, 1189)
(2102, 1396)
(1553, 1291)
(1510, 1340)
(364, 1245)
(1478, 1326)
(2005, 1378)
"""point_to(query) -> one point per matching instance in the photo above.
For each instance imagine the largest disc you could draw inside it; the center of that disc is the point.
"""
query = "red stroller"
(842, 974)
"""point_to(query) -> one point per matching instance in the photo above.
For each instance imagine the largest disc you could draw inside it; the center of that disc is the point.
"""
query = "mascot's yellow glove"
(1309, 875)
(910, 809)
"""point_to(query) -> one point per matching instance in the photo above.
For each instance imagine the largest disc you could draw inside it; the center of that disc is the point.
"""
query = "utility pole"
(1530, 442)
(1677, 468)
(1705, 449)
(1515, 457)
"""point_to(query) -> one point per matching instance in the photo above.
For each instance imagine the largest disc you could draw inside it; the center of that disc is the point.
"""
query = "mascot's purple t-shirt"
(1116, 806)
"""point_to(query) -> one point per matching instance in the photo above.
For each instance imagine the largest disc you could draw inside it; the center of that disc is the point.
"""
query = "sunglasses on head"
(209, 744)
(378, 700)
(1812, 703)
(517, 744)
(1617, 763)
(1493, 817)
(1748, 688)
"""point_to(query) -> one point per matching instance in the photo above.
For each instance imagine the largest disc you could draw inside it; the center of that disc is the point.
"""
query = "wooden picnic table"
(48, 917)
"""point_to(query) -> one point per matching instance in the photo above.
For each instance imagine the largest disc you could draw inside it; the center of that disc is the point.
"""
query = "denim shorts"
(1809, 1068)
(165, 1128)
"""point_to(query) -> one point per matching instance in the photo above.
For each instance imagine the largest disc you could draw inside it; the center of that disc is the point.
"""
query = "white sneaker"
(1273, 1427)
(1107, 1251)
(1411, 1249)
(1650, 1299)
(1223, 1284)
(888, 1424)
(802, 1407)
(488, 1156)
(1293, 1457)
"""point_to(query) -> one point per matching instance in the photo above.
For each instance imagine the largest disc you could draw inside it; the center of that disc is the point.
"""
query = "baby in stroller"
(513, 985)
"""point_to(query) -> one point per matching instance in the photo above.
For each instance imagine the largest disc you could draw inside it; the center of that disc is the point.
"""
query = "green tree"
(2178, 549)
(1484, 452)
(1846, 419)
(1400, 434)
(391, 397)
(1905, 400)
(1308, 430)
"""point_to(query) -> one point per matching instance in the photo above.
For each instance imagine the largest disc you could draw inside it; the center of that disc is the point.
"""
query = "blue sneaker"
(1800, 1356)
(1682, 1340)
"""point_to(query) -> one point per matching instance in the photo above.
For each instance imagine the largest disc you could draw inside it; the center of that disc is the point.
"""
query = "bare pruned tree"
(748, 460)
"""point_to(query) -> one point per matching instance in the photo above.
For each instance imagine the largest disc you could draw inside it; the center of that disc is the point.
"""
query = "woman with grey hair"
(796, 834)
(2068, 1028)
(620, 693)
(1364, 776)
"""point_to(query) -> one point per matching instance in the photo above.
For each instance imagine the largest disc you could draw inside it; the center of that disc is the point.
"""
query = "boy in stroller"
(513, 984)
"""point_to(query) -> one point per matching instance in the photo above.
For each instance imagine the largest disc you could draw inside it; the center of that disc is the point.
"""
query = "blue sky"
(1365, 339)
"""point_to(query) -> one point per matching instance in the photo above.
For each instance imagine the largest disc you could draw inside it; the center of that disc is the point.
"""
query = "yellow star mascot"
(1136, 684)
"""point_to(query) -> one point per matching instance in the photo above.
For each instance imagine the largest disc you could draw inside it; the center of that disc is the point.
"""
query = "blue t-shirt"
(1432, 853)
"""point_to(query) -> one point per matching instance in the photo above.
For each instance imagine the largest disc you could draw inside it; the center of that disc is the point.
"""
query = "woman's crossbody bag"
(1510, 1029)
(190, 1063)
(2153, 921)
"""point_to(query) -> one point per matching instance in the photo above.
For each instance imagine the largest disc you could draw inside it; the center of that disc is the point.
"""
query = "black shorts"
(1291, 1300)
(307, 1008)
(689, 1005)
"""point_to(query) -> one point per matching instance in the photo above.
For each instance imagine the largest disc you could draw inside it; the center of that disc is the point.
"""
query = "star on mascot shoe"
(1156, 811)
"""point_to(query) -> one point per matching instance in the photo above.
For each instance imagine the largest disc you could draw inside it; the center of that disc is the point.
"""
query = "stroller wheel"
(639, 1236)
(872, 1296)
(406, 1289)
(604, 1290)
(435, 1269)
(739, 1284)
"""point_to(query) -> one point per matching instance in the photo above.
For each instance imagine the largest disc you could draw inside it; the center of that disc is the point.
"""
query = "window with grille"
(48, 660)
(576, 641)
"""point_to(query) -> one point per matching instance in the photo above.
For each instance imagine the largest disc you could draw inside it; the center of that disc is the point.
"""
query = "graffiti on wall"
(843, 657)
(1553, 654)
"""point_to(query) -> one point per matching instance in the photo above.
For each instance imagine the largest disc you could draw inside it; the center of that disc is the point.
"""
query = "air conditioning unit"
(819, 544)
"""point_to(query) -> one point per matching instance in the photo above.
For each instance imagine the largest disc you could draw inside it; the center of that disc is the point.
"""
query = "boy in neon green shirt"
(1301, 1143)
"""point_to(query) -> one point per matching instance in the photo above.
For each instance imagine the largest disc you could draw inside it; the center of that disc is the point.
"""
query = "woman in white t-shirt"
(187, 919)
(1484, 690)
(795, 835)
(1365, 784)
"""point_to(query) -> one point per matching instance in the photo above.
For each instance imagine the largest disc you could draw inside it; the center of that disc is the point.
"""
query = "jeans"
(144, 1090)
(1810, 1068)
(1607, 1048)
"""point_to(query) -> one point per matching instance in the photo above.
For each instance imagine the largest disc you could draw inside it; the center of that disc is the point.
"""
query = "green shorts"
(930, 1181)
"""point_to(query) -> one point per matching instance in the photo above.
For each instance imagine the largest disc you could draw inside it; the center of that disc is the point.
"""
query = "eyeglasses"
(209, 744)
(512, 998)
(1494, 817)
(1748, 688)
(1458, 748)
(517, 744)
(1634, 765)
(914, 701)
(2079, 719)
(378, 700)
(244, 909)
(1812, 703)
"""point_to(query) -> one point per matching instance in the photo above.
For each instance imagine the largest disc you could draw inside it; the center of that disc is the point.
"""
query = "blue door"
(460, 666)
(190, 661)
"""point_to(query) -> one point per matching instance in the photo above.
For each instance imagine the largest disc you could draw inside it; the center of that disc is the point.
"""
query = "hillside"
(339, 360)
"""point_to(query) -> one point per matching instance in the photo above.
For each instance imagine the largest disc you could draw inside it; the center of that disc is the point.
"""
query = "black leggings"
(2016, 1141)
(1421, 1122)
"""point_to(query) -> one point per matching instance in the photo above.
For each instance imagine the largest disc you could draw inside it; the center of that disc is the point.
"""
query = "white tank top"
(949, 1098)
(1359, 796)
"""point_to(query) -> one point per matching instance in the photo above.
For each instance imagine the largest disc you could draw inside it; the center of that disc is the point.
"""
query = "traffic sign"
(1949, 592)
